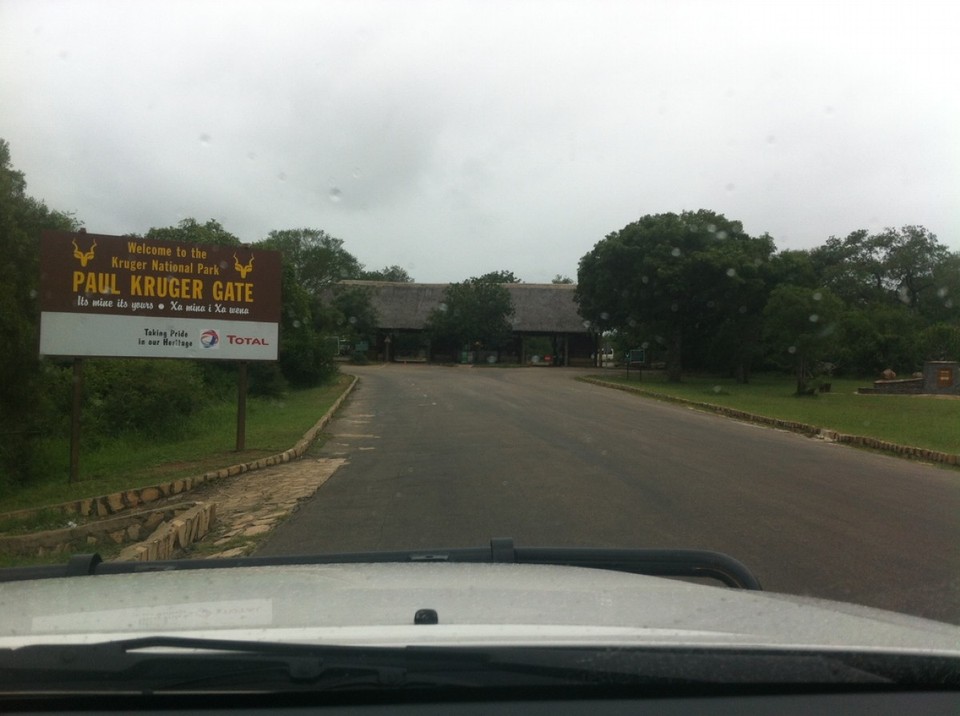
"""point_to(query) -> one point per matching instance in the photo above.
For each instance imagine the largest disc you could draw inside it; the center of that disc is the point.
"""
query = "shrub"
(154, 396)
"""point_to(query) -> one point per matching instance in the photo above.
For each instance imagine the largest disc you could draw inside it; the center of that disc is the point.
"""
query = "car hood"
(475, 604)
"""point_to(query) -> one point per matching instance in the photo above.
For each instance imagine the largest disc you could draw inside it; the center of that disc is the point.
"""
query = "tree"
(940, 341)
(190, 231)
(560, 279)
(894, 266)
(24, 392)
(317, 259)
(350, 313)
(499, 277)
(474, 313)
(801, 327)
(678, 277)
(313, 262)
(390, 274)
(943, 305)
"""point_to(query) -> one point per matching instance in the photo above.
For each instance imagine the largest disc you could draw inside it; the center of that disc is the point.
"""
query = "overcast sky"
(456, 138)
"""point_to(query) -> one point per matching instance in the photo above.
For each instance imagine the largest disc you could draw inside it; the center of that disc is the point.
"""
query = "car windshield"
(309, 278)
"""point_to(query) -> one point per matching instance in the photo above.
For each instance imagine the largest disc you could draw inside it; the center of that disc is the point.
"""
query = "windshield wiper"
(183, 664)
(655, 562)
(162, 663)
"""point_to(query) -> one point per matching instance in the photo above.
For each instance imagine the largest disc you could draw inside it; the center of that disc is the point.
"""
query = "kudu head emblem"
(83, 256)
(244, 270)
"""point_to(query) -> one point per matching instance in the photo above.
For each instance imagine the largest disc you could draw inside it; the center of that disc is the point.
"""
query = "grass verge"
(208, 442)
(922, 421)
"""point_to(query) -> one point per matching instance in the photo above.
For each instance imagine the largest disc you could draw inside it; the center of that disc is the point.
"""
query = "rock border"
(118, 502)
(810, 430)
(180, 532)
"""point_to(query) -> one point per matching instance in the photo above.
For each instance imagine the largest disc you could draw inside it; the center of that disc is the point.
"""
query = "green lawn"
(273, 425)
(918, 421)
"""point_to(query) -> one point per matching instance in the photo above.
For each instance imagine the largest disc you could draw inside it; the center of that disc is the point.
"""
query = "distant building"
(545, 322)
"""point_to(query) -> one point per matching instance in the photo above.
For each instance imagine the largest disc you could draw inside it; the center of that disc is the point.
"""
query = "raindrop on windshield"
(675, 252)
(282, 176)
(205, 139)
(817, 296)
(731, 272)
(814, 318)
(792, 349)
(731, 187)
(335, 195)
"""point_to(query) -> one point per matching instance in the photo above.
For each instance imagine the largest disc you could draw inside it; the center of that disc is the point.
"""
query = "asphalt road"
(450, 457)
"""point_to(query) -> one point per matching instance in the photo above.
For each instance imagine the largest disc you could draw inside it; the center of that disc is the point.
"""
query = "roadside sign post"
(127, 297)
(75, 420)
(241, 405)
(636, 356)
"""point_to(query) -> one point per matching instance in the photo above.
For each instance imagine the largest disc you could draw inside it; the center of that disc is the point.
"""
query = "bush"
(154, 396)
(266, 380)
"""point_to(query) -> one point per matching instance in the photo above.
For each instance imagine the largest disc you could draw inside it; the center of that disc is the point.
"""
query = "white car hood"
(475, 604)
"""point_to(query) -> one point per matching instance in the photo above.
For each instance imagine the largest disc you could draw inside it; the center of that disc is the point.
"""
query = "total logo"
(246, 341)
(210, 338)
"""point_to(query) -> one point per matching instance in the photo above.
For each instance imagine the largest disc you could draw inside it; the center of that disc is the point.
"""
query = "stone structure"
(939, 378)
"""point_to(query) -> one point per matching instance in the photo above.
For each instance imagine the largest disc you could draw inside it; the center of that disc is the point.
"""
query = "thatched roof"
(538, 308)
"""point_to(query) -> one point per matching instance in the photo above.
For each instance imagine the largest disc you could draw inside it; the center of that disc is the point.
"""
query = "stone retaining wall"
(125, 529)
(170, 537)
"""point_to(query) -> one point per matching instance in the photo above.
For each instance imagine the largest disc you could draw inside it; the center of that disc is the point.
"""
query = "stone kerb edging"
(180, 532)
(811, 430)
(125, 529)
(118, 502)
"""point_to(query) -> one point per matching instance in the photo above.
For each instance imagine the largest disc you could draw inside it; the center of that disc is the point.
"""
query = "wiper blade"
(161, 663)
(178, 664)
(655, 562)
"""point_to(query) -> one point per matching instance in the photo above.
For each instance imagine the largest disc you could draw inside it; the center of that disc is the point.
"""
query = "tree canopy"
(390, 274)
(474, 314)
(697, 288)
(673, 274)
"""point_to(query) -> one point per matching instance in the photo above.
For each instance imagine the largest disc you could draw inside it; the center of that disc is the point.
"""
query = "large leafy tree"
(390, 274)
(318, 260)
(23, 395)
(690, 277)
(190, 231)
(801, 327)
(893, 266)
(313, 262)
(474, 313)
